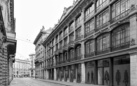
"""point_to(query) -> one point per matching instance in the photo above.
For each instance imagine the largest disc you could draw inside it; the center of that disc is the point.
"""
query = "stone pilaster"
(82, 73)
(133, 69)
(55, 76)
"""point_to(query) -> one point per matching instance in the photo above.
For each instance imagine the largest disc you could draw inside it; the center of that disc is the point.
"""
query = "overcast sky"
(30, 16)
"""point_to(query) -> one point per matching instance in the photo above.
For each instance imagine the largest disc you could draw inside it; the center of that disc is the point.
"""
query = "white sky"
(30, 16)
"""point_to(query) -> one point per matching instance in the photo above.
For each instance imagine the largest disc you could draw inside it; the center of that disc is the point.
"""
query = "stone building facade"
(95, 42)
(32, 65)
(40, 53)
(21, 68)
(8, 48)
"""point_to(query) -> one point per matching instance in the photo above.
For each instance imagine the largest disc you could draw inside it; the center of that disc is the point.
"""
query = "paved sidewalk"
(67, 83)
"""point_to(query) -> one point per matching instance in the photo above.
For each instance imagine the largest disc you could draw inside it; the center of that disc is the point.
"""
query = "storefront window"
(103, 72)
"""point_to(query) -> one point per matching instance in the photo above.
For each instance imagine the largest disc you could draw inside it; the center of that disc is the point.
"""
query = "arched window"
(120, 37)
(78, 52)
(71, 54)
(103, 43)
(89, 48)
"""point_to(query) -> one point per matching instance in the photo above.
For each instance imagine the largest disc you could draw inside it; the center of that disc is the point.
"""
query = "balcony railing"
(89, 33)
(65, 46)
(79, 38)
(126, 13)
(71, 42)
(65, 34)
(121, 46)
(89, 55)
(78, 57)
(103, 51)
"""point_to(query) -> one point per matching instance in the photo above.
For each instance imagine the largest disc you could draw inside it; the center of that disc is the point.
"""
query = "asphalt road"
(32, 82)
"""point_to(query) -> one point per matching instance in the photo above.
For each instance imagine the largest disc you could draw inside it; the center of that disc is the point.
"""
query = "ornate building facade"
(95, 42)
(21, 68)
(40, 53)
(8, 48)
(32, 65)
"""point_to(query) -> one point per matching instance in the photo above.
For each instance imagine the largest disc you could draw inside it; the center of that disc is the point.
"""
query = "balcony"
(121, 46)
(65, 46)
(78, 57)
(79, 38)
(71, 30)
(103, 51)
(89, 55)
(65, 34)
(89, 33)
(122, 15)
(60, 49)
(71, 42)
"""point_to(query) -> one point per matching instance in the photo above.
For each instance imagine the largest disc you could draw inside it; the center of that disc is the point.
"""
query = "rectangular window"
(78, 21)
(120, 37)
(71, 27)
(103, 43)
(103, 18)
(101, 3)
(78, 33)
(89, 27)
(120, 9)
(89, 11)
(87, 48)
(71, 37)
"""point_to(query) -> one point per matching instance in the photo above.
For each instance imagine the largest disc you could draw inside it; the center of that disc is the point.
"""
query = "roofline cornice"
(61, 23)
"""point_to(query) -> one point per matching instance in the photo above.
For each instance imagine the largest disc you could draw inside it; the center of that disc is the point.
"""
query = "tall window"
(89, 48)
(103, 18)
(71, 27)
(61, 44)
(65, 31)
(57, 39)
(120, 9)
(78, 21)
(56, 46)
(120, 37)
(71, 54)
(60, 35)
(78, 33)
(71, 37)
(89, 11)
(78, 52)
(103, 72)
(89, 27)
(65, 41)
(103, 43)
(101, 3)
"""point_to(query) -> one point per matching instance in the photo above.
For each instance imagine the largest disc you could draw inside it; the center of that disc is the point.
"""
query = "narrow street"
(32, 82)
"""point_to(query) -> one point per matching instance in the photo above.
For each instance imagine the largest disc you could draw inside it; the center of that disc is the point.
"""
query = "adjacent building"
(32, 65)
(95, 42)
(40, 53)
(7, 41)
(21, 68)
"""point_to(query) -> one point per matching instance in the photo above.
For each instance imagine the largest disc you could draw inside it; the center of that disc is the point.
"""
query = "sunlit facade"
(21, 68)
(40, 53)
(95, 42)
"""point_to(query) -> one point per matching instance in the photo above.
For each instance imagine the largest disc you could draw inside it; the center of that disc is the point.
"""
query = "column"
(82, 50)
(133, 69)
(82, 72)
(55, 76)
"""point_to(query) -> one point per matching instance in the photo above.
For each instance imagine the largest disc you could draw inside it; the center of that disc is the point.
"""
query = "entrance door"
(121, 71)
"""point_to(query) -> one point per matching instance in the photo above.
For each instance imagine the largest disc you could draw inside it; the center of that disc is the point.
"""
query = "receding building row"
(95, 42)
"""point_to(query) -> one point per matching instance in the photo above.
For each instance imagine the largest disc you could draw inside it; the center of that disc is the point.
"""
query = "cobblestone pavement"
(32, 82)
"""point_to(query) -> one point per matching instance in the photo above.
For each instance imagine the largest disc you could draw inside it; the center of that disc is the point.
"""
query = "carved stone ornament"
(132, 42)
